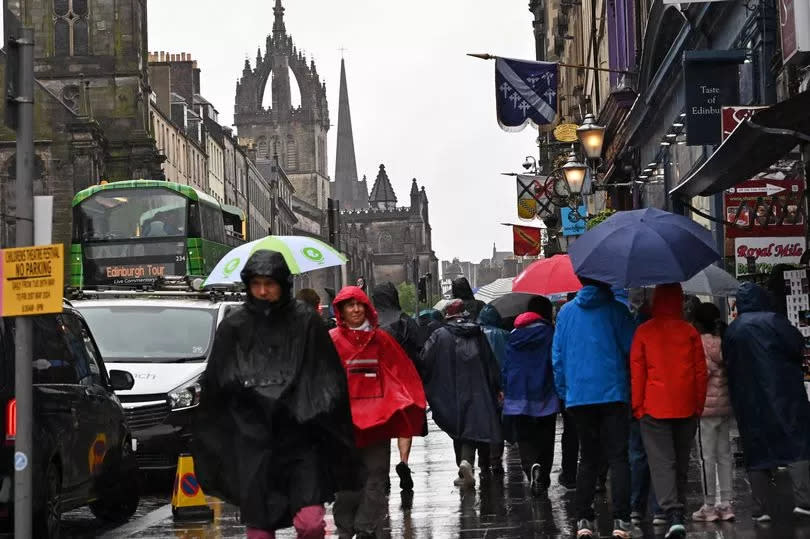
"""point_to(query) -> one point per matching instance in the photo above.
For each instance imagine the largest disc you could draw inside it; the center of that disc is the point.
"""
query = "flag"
(525, 92)
(533, 197)
(527, 240)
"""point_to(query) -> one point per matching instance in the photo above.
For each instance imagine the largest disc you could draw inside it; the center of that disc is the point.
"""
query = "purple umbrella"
(643, 247)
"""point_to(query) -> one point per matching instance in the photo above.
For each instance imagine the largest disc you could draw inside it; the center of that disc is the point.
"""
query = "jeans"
(761, 486)
(536, 444)
(570, 448)
(714, 448)
(668, 442)
(641, 493)
(364, 510)
(308, 522)
(603, 429)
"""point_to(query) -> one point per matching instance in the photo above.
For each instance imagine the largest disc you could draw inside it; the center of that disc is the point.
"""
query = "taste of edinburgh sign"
(711, 80)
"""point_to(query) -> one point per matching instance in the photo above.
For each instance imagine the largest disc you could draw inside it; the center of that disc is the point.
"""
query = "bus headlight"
(185, 396)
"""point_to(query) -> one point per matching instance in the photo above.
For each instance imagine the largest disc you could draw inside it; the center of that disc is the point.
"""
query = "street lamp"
(574, 173)
(592, 136)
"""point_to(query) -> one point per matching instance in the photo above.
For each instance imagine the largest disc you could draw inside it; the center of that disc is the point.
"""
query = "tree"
(407, 297)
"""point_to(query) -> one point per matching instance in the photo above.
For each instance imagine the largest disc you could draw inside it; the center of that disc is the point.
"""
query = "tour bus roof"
(234, 210)
(184, 190)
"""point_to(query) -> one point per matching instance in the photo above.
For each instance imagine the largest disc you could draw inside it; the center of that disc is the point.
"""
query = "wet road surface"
(497, 508)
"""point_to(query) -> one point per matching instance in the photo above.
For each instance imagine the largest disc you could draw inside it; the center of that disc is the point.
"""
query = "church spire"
(278, 24)
(346, 183)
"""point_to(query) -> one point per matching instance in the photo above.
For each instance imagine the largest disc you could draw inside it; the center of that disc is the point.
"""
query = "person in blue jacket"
(492, 325)
(764, 354)
(590, 357)
(530, 404)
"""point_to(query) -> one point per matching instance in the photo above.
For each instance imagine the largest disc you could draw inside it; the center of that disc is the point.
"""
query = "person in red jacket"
(387, 401)
(668, 376)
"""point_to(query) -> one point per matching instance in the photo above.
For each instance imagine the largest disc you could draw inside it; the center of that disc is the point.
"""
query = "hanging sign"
(33, 279)
(573, 223)
(794, 29)
(711, 80)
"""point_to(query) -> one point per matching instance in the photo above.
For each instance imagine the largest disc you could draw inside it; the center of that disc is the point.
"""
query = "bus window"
(123, 214)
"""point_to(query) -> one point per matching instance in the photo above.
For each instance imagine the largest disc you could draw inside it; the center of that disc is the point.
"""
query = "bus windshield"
(127, 214)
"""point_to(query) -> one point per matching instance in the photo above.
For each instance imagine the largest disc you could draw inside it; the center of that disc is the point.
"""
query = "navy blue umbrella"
(643, 247)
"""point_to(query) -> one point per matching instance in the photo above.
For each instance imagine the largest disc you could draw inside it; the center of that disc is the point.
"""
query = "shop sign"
(731, 117)
(759, 255)
(794, 28)
(711, 80)
(573, 224)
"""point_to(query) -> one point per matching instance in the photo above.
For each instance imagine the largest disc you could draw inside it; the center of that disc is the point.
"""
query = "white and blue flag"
(525, 92)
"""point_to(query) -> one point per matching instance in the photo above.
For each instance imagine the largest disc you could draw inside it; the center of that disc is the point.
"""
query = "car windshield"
(151, 334)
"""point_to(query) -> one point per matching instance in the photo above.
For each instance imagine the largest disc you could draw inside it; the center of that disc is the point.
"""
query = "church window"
(276, 149)
(386, 243)
(71, 30)
(262, 147)
(292, 154)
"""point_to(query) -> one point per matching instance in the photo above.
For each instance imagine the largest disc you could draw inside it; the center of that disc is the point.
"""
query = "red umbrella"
(548, 276)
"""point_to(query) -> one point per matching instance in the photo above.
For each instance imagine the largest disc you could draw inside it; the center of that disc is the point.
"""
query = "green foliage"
(599, 218)
(407, 297)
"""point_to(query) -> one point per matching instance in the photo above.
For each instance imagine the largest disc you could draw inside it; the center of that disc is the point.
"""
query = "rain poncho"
(429, 321)
(491, 322)
(461, 290)
(273, 430)
(399, 325)
(462, 382)
(763, 353)
(387, 397)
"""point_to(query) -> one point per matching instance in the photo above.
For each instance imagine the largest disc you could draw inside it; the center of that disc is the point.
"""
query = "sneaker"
(676, 527)
(801, 511)
(725, 512)
(585, 528)
(659, 519)
(534, 475)
(624, 529)
(707, 513)
(636, 517)
(763, 518)
(405, 479)
(465, 475)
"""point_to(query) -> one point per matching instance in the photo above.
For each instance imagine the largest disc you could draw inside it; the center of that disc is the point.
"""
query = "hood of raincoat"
(461, 289)
(462, 328)
(668, 301)
(752, 298)
(428, 315)
(356, 293)
(489, 316)
(386, 301)
(593, 297)
(265, 263)
(536, 334)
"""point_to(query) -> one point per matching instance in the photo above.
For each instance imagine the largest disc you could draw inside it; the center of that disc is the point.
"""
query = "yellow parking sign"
(33, 278)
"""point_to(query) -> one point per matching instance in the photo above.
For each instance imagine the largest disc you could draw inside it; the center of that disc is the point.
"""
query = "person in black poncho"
(274, 431)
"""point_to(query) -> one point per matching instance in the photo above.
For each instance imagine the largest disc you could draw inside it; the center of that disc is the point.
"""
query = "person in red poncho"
(387, 401)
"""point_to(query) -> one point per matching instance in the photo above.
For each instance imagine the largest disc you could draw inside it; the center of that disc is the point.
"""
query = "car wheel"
(47, 517)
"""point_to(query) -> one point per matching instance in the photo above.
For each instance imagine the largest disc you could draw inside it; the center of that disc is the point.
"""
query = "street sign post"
(19, 42)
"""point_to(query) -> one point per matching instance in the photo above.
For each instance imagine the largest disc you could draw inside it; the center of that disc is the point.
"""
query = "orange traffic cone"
(188, 500)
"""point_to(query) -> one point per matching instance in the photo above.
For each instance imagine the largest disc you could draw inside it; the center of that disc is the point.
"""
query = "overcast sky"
(418, 104)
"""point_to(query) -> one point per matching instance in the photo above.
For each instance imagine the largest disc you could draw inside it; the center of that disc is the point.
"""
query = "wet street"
(436, 509)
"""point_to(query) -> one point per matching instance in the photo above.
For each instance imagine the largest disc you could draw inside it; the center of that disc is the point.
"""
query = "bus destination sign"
(33, 280)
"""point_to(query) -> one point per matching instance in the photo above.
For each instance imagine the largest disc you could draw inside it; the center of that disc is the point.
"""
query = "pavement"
(497, 508)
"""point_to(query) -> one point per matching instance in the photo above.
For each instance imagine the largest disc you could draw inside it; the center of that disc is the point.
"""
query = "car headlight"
(185, 396)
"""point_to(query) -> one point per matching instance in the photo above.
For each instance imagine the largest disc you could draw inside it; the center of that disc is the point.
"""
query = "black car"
(83, 451)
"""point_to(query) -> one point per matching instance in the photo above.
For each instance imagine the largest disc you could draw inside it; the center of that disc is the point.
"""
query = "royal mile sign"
(711, 80)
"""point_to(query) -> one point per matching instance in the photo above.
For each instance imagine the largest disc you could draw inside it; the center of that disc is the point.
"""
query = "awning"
(751, 148)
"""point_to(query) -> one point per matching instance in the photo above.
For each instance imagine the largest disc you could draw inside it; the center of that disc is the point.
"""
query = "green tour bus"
(131, 233)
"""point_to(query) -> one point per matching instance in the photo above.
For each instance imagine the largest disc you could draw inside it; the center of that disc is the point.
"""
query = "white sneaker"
(801, 511)
(764, 518)
(707, 513)
(466, 478)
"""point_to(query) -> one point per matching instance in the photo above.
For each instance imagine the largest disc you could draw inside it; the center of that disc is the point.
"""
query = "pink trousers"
(308, 522)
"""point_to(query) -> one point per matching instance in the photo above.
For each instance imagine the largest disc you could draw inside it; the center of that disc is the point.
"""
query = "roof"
(185, 190)
(382, 190)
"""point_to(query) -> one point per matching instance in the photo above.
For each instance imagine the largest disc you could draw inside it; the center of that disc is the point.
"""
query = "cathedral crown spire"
(278, 24)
